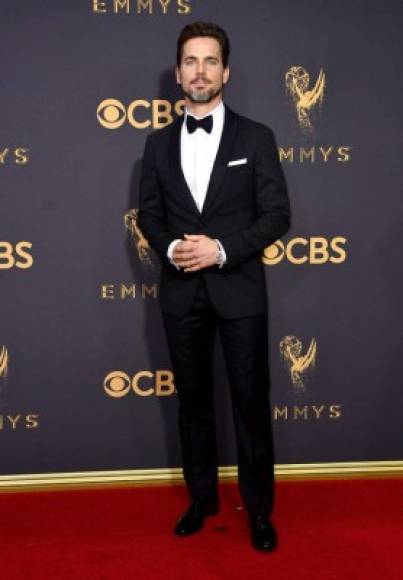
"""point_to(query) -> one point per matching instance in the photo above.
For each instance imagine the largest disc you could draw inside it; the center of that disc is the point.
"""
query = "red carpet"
(342, 529)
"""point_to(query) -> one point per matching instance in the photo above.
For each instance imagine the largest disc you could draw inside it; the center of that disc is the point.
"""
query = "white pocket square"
(237, 162)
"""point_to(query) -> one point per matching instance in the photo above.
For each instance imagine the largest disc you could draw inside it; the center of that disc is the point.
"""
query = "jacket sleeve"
(272, 207)
(151, 215)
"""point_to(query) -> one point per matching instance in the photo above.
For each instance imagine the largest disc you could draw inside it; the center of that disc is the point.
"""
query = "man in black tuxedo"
(212, 197)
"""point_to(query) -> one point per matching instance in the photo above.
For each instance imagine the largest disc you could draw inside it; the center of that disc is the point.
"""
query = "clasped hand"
(195, 252)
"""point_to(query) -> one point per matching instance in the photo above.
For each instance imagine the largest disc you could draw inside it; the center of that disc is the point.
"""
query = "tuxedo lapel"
(221, 160)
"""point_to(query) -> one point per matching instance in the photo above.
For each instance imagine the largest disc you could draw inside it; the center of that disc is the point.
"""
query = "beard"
(204, 95)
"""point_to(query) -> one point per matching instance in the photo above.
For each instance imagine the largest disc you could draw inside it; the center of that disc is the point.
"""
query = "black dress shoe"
(193, 519)
(263, 534)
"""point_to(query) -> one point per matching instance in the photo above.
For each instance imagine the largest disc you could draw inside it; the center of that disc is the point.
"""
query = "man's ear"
(177, 75)
(226, 75)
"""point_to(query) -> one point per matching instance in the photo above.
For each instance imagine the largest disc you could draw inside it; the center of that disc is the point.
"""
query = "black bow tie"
(206, 123)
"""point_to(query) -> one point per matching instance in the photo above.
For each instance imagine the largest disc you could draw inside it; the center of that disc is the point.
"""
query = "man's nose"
(200, 68)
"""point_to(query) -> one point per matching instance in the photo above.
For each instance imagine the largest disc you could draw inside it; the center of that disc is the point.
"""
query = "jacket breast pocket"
(238, 176)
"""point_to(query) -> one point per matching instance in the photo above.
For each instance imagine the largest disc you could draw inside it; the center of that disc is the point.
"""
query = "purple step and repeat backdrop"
(85, 377)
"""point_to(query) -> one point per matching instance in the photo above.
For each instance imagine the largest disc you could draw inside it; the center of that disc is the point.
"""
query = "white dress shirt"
(198, 153)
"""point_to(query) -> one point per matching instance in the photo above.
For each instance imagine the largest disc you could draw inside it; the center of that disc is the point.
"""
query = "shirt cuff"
(223, 254)
(170, 252)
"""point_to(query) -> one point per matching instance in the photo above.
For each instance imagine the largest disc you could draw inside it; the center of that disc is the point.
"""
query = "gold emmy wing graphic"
(3, 362)
(142, 246)
(298, 364)
(297, 83)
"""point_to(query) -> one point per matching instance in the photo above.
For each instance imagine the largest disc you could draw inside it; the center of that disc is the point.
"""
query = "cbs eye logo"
(15, 255)
(118, 384)
(111, 114)
(315, 250)
(140, 114)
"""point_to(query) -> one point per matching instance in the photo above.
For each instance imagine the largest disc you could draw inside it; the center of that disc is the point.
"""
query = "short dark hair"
(196, 29)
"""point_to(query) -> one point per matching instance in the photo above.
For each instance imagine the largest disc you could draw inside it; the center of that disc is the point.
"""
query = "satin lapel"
(221, 160)
(174, 154)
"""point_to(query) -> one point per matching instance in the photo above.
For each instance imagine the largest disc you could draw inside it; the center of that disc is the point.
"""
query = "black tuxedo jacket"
(246, 208)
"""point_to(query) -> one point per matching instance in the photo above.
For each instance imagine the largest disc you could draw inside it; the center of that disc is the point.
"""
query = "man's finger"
(184, 250)
(194, 237)
(188, 263)
(185, 258)
(195, 267)
(184, 246)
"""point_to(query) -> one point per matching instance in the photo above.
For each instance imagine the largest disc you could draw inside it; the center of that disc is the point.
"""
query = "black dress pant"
(245, 347)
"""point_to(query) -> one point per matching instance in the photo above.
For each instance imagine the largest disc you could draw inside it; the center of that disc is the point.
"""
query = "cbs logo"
(15, 255)
(140, 114)
(117, 384)
(315, 250)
